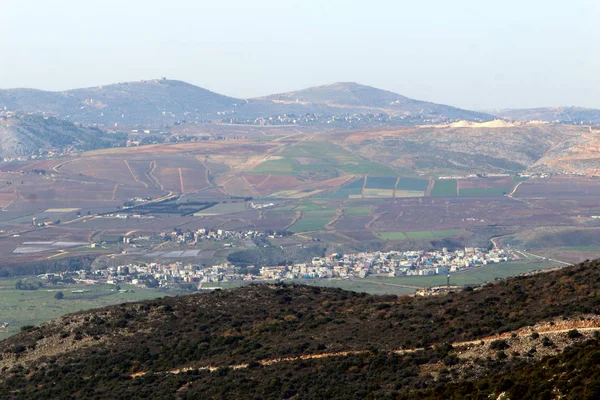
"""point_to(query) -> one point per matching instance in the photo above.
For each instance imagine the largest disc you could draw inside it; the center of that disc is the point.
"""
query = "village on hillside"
(344, 266)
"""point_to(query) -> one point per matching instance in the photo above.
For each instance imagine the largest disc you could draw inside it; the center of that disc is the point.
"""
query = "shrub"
(573, 334)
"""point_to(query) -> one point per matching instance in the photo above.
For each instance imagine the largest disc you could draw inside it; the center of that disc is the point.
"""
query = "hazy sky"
(470, 53)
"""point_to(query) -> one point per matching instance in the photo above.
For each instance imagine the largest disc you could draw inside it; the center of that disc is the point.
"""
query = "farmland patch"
(379, 182)
(444, 188)
(413, 184)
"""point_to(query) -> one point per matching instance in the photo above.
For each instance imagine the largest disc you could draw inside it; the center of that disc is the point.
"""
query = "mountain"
(353, 97)
(25, 135)
(158, 102)
(146, 102)
(515, 338)
(567, 115)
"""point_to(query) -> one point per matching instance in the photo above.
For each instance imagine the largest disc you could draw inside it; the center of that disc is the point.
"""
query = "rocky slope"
(25, 135)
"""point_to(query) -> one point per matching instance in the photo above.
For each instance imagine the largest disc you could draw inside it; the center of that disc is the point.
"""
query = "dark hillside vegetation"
(96, 354)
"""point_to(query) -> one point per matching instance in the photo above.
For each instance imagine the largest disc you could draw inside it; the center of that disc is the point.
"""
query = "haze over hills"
(24, 135)
(568, 115)
(281, 341)
(157, 102)
(351, 95)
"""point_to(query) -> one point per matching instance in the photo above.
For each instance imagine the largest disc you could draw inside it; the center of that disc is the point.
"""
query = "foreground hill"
(567, 115)
(353, 97)
(24, 135)
(279, 341)
(158, 102)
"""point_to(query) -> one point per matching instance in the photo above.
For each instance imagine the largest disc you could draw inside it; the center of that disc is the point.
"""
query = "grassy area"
(380, 182)
(393, 235)
(444, 188)
(328, 155)
(415, 184)
(377, 193)
(475, 277)
(581, 248)
(32, 307)
(310, 224)
(420, 235)
(359, 211)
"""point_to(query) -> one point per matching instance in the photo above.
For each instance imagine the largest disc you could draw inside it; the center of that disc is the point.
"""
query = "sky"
(471, 54)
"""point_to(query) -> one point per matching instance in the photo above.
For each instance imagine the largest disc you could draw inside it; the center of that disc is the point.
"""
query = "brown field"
(272, 183)
(238, 186)
(352, 223)
(107, 169)
(569, 187)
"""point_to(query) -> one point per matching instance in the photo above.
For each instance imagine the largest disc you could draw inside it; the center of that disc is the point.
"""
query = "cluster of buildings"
(358, 265)
(392, 263)
(217, 235)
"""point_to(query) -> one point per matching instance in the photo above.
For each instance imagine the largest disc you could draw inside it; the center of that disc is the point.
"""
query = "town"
(344, 266)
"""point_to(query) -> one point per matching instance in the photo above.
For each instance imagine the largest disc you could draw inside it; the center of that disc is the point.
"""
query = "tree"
(59, 296)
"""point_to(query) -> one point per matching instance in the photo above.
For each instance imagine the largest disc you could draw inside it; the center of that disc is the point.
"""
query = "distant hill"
(145, 102)
(287, 341)
(158, 102)
(353, 97)
(567, 115)
(24, 135)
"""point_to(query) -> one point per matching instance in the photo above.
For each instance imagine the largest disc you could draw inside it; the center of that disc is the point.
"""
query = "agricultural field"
(421, 235)
(324, 157)
(32, 307)
(375, 194)
(378, 182)
(444, 188)
(413, 184)
(222, 209)
(358, 211)
(485, 186)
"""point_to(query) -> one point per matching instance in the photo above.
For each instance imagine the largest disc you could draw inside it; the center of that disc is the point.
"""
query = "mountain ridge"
(162, 101)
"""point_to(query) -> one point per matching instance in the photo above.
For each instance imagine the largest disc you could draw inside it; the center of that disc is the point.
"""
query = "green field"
(329, 157)
(415, 184)
(393, 235)
(310, 224)
(32, 307)
(444, 188)
(358, 211)
(474, 277)
(381, 182)
(421, 235)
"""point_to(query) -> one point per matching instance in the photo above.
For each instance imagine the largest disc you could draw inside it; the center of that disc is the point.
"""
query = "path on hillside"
(583, 326)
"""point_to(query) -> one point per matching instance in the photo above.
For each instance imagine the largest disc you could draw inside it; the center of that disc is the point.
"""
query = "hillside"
(567, 115)
(353, 97)
(159, 102)
(25, 135)
(280, 341)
